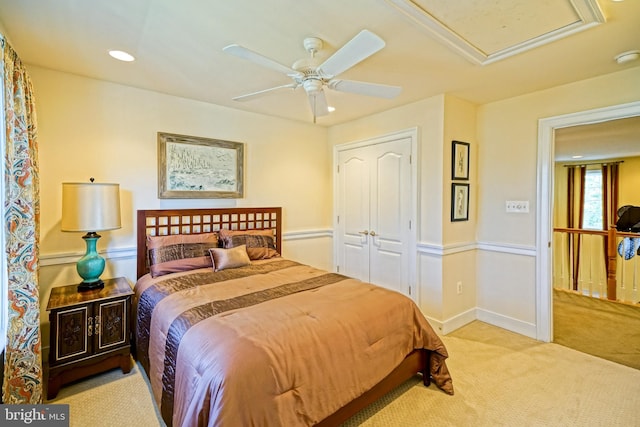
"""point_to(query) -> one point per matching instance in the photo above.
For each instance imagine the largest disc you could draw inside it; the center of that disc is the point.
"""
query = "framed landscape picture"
(191, 167)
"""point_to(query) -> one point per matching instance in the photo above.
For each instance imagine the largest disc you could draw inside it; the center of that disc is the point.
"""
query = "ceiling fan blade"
(364, 88)
(252, 95)
(318, 103)
(249, 55)
(357, 49)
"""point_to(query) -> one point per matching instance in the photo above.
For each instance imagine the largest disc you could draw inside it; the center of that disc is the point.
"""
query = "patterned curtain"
(21, 212)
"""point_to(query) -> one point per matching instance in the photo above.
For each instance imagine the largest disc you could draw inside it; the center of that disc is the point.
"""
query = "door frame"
(412, 134)
(544, 222)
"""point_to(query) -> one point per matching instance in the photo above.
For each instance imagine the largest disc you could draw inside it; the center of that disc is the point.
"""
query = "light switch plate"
(517, 206)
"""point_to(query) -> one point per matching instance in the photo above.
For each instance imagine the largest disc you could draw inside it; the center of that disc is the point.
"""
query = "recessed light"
(628, 56)
(577, 157)
(121, 55)
(331, 109)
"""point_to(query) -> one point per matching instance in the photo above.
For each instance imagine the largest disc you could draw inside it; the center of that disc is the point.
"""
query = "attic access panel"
(486, 31)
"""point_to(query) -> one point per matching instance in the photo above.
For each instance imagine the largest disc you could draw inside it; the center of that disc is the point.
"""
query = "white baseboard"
(508, 323)
(459, 321)
(453, 323)
(514, 325)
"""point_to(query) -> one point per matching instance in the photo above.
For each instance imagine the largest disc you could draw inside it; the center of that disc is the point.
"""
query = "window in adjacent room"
(593, 206)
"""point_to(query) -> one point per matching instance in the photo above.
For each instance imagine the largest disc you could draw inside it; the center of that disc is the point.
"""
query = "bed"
(248, 337)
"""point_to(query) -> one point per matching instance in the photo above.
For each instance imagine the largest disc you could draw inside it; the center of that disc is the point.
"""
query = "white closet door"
(353, 222)
(390, 209)
(374, 210)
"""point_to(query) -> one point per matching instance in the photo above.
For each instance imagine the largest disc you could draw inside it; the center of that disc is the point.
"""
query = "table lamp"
(90, 207)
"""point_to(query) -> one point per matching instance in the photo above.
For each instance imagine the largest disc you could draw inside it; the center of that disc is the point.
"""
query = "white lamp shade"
(90, 206)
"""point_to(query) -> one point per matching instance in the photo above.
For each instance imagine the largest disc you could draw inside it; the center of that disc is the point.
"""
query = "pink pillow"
(260, 243)
(229, 258)
(182, 252)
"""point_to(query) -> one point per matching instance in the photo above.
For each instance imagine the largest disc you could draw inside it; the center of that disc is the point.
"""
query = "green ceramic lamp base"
(91, 265)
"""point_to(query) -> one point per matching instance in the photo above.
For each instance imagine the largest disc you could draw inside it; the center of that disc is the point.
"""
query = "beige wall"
(459, 125)
(90, 128)
(439, 120)
(630, 181)
(459, 261)
(507, 170)
(499, 281)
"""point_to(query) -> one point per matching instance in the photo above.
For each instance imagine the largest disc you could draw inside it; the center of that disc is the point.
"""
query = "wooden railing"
(613, 238)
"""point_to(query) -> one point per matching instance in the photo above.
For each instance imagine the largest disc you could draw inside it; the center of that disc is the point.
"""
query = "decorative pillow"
(260, 243)
(229, 258)
(168, 254)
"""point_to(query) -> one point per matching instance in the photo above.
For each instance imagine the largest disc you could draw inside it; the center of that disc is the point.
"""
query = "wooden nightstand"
(90, 332)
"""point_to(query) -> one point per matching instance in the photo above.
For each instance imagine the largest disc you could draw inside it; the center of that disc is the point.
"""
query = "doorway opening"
(545, 194)
(595, 289)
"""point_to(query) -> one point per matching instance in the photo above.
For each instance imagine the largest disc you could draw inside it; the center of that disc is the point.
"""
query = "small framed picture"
(459, 202)
(460, 160)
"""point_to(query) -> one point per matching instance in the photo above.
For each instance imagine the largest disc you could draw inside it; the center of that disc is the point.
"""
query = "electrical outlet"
(517, 206)
(459, 287)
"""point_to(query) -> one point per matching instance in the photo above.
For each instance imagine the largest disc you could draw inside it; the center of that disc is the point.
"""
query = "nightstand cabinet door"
(90, 332)
(74, 337)
(112, 324)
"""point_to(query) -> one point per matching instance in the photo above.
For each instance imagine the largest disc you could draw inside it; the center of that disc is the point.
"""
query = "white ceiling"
(599, 141)
(178, 46)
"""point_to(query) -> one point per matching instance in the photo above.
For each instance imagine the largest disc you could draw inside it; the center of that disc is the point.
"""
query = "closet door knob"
(365, 232)
(372, 233)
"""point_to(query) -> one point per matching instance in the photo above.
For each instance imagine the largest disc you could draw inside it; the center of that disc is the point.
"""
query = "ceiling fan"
(313, 77)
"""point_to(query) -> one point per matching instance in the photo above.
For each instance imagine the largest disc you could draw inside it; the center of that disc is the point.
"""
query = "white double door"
(374, 208)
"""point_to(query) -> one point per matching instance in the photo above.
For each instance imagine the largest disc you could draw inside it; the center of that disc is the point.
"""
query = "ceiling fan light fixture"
(312, 86)
(305, 65)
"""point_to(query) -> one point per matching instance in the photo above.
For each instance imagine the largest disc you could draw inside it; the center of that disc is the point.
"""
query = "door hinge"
(409, 290)
(337, 268)
(338, 219)
(338, 168)
(409, 224)
(410, 159)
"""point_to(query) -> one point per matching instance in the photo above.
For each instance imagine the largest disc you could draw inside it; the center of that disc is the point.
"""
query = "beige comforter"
(275, 343)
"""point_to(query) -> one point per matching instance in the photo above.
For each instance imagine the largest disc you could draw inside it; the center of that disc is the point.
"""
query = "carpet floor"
(599, 327)
(500, 379)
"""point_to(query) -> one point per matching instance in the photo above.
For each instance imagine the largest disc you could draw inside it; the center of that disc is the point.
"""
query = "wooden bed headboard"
(164, 222)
